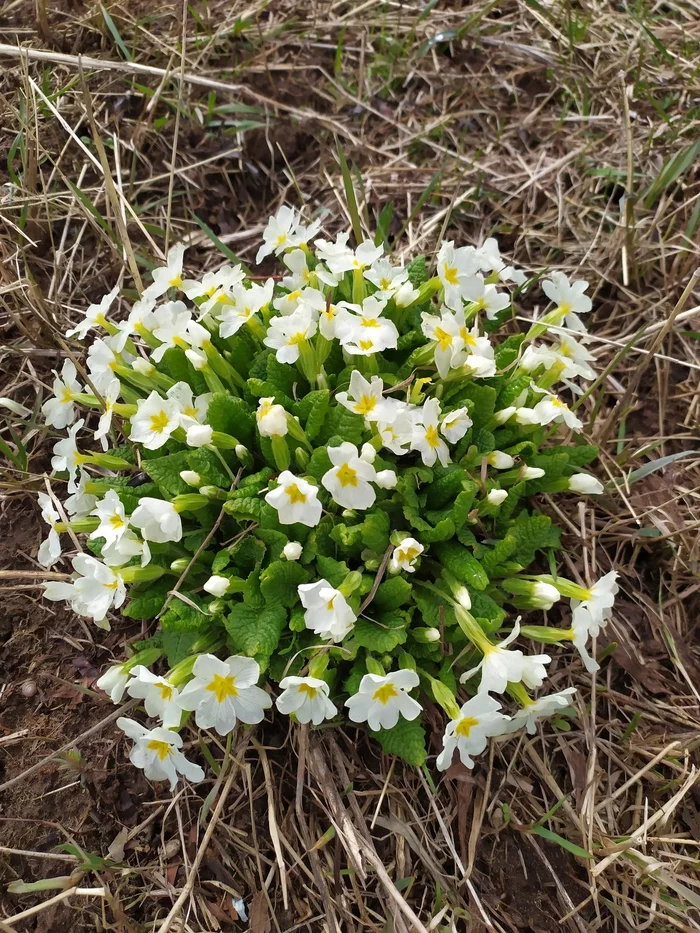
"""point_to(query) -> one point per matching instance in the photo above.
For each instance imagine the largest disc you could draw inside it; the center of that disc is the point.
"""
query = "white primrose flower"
(271, 418)
(285, 334)
(213, 283)
(388, 279)
(380, 701)
(295, 261)
(362, 330)
(222, 692)
(502, 665)
(425, 437)
(340, 258)
(386, 479)
(454, 268)
(497, 496)
(114, 681)
(396, 434)
(585, 484)
(102, 360)
(327, 612)
(479, 719)
(66, 456)
(157, 752)
(157, 520)
(155, 420)
(241, 307)
(486, 297)
(95, 590)
(583, 627)
(365, 398)
(542, 708)
(455, 425)
(296, 500)
(50, 547)
(307, 698)
(292, 550)
(489, 256)
(113, 523)
(159, 694)
(311, 297)
(192, 410)
(95, 316)
(599, 600)
(551, 409)
(500, 460)
(140, 321)
(570, 299)
(284, 231)
(477, 355)
(168, 276)
(404, 556)
(405, 295)
(124, 548)
(59, 411)
(80, 503)
(348, 480)
(446, 331)
(571, 357)
(170, 323)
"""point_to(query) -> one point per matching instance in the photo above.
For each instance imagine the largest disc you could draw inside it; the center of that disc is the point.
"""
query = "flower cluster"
(321, 484)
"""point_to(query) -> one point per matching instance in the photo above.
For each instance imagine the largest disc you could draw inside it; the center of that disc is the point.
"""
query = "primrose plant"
(320, 487)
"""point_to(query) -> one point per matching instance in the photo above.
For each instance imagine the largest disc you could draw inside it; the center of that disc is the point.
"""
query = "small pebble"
(171, 848)
(28, 689)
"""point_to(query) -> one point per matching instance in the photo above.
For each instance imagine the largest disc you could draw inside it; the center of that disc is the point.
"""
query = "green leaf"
(581, 454)
(344, 424)
(279, 582)
(254, 631)
(486, 611)
(392, 593)
(447, 487)
(560, 841)
(247, 508)
(507, 351)
(178, 645)
(165, 471)
(261, 388)
(207, 464)
(382, 636)
(317, 416)
(221, 561)
(417, 271)
(533, 533)
(463, 505)
(282, 375)
(181, 617)
(319, 463)
(375, 531)
(462, 564)
(483, 403)
(490, 558)
(231, 415)
(406, 740)
(148, 603)
(332, 570)
(433, 608)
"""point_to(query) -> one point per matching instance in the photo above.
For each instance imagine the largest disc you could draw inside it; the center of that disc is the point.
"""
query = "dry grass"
(568, 130)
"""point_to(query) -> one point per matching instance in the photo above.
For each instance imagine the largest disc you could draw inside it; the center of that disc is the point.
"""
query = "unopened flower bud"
(463, 598)
(368, 453)
(198, 360)
(216, 585)
(292, 550)
(244, 455)
(426, 636)
(199, 435)
(497, 496)
(302, 458)
(585, 484)
(531, 473)
(386, 479)
(191, 478)
(500, 460)
(500, 417)
(143, 367)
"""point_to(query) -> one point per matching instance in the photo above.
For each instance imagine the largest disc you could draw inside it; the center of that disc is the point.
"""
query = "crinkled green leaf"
(332, 570)
(231, 415)
(255, 631)
(165, 471)
(406, 740)
(533, 533)
(147, 603)
(178, 645)
(282, 375)
(181, 617)
(344, 424)
(279, 582)
(462, 564)
(210, 468)
(392, 593)
(385, 634)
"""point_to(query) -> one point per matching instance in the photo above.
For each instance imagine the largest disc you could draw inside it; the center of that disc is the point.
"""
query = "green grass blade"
(384, 225)
(675, 167)
(350, 194)
(560, 841)
(111, 25)
(432, 184)
(219, 244)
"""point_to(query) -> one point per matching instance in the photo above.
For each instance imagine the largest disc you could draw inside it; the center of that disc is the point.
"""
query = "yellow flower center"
(281, 238)
(179, 342)
(162, 749)
(295, 494)
(369, 322)
(190, 411)
(159, 422)
(366, 404)
(469, 339)
(294, 296)
(329, 604)
(165, 690)
(222, 687)
(465, 726)
(347, 476)
(308, 690)
(116, 521)
(409, 554)
(366, 344)
(264, 410)
(176, 281)
(385, 283)
(443, 338)
(66, 395)
(297, 338)
(564, 308)
(431, 436)
(450, 275)
(557, 403)
(385, 693)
